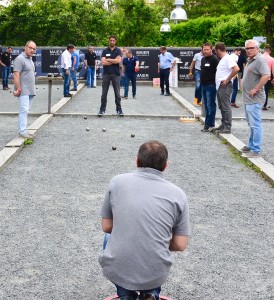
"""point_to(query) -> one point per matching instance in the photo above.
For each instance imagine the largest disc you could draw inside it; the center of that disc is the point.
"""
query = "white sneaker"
(26, 136)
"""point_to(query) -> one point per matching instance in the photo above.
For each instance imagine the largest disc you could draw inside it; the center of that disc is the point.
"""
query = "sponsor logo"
(184, 66)
(142, 53)
(186, 53)
(142, 65)
(55, 52)
(143, 76)
(37, 63)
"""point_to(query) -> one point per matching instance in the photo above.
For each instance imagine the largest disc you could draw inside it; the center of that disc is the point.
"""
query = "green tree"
(256, 8)
(137, 23)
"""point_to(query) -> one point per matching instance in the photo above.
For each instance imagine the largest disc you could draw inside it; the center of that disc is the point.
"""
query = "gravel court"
(51, 194)
(9, 103)
(148, 102)
(8, 128)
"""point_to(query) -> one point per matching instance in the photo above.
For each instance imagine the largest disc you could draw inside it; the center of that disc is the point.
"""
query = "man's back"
(146, 210)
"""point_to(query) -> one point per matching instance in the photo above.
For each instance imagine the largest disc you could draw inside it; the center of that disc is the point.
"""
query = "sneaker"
(195, 101)
(251, 154)
(93, 87)
(68, 95)
(245, 149)
(264, 108)
(101, 113)
(120, 112)
(219, 128)
(211, 129)
(74, 90)
(26, 136)
(134, 97)
(200, 103)
(225, 130)
(205, 129)
(167, 94)
(162, 94)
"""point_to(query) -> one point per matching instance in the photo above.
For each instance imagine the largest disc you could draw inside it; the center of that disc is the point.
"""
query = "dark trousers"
(266, 89)
(164, 80)
(235, 90)
(115, 79)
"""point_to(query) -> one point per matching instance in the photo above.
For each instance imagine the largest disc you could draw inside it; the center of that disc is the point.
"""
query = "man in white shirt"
(196, 65)
(66, 65)
(226, 70)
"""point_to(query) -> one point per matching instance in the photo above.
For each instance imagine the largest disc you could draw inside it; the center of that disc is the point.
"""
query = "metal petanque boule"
(104, 130)
(114, 148)
(87, 129)
(132, 135)
(85, 117)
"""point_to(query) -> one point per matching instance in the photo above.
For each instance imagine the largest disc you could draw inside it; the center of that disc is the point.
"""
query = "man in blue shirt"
(129, 69)
(75, 58)
(165, 66)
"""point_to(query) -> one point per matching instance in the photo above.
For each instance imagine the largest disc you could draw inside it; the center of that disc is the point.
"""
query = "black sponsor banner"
(48, 60)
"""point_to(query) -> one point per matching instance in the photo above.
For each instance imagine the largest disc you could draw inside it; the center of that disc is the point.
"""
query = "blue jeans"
(132, 78)
(73, 78)
(253, 114)
(198, 87)
(90, 76)
(235, 90)
(66, 82)
(164, 80)
(209, 98)
(5, 76)
(25, 103)
(125, 294)
(122, 81)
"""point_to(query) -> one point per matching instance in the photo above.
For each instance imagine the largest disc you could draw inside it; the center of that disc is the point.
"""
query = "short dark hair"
(152, 154)
(207, 44)
(112, 37)
(70, 46)
(220, 46)
(267, 47)
(163, 48)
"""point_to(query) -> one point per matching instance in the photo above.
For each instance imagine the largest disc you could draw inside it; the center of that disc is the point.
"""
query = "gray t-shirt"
(25, 66)
(253, 71)
(146, 210)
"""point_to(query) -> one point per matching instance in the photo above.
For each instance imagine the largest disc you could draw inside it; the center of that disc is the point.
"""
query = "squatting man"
(148, 217)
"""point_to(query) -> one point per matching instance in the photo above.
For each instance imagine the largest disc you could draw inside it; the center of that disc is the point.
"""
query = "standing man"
(24, 86)
(197, 76)
(129, 69)
(66, 66)
(256, 74)
(5, 61)
(235, 55)
(91, 66)
(148, 217)
(165, 66)
(75, 59)
(111, 59)
(270, 63)
(209, 65)
(227, 69)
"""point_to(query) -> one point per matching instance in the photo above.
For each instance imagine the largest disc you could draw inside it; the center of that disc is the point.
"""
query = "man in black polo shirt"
(209, 65)
(5, 62)
(111, 58)
(91, 66)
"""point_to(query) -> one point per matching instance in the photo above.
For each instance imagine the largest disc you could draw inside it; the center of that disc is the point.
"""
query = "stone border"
(266, 168)
(12, 149)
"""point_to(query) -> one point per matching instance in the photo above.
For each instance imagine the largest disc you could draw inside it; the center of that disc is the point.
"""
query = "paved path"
(50, 196)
